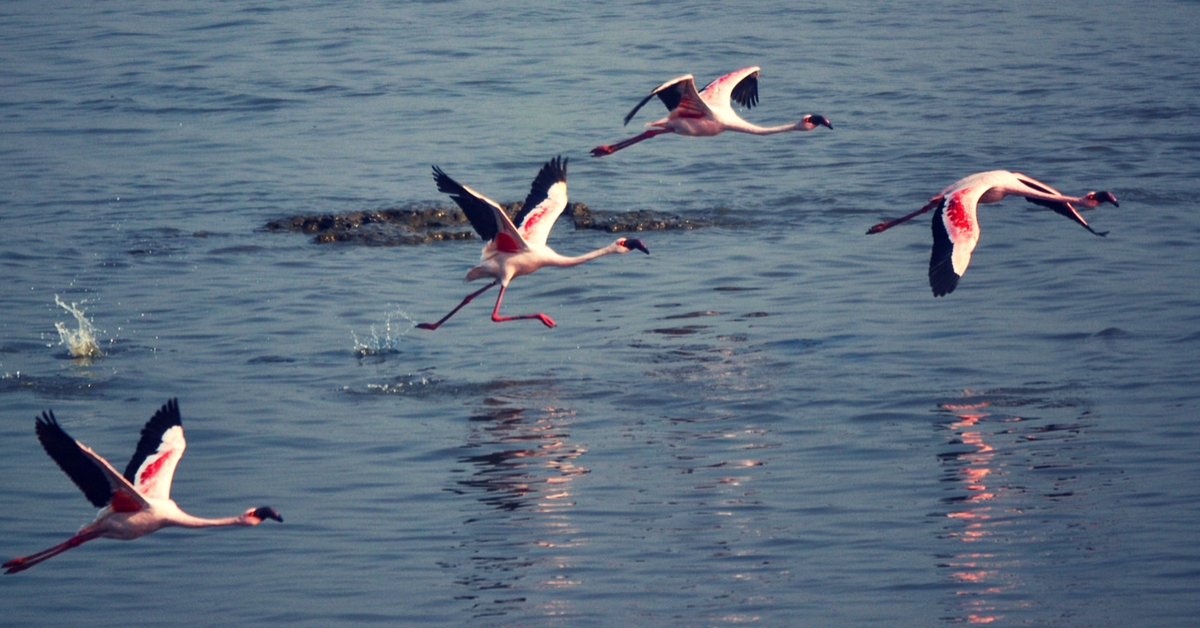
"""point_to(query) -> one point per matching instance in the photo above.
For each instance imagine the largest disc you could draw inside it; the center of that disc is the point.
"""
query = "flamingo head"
(630, 244)
(812, 121)
(257, 515)
(1096, 198)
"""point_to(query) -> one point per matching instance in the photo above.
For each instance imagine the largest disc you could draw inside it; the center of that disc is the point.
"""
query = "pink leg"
(884, 226)
(470, 297)
(601, 151)
(25, 562)
(546, 320)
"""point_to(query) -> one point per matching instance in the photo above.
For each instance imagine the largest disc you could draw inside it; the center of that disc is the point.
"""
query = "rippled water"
(770, 421)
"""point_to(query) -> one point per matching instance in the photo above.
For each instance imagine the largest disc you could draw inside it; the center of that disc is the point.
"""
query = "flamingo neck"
(1027, 193)
(748, 127)
(563, 261)
(184, 520)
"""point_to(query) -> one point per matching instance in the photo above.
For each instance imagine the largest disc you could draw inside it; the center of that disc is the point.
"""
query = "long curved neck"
(563, 261)
(1057, 198)
(184, 520)
(742, 126)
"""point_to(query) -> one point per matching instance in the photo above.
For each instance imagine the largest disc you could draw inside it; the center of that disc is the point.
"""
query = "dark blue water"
(768, 422)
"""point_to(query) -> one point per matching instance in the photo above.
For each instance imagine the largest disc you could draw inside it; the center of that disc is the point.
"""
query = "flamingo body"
(512, 251)
(707, 113)
(956, 227)
(132, 504)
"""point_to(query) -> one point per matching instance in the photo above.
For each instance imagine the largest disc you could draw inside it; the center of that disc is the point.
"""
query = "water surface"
(769, 422)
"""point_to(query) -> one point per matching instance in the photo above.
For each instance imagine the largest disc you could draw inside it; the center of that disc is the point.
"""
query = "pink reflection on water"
(976, 571)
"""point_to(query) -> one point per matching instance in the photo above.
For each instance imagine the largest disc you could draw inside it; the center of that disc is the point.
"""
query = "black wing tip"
(943, 284)
(167, 416)
(633, 112)
(942, 278)
(444, 183)
(557, 167)
(47, 426)
(745, 93)
(476, 209)
(65, 452)
(553, 171)
(47, 419)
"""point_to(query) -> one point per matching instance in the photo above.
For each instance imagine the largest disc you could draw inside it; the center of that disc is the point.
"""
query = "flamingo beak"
(1107, 197)
(266, 512)
(820, 121)
(633, 243)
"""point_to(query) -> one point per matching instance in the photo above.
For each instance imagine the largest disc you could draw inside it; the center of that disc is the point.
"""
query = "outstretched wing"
(545, 203)
(78, 466)
(942, 278)
(152, 466)
(1061, 208)
(955, 233)
(678, 93)
(98, 480)
(486, 216)
(740, 85)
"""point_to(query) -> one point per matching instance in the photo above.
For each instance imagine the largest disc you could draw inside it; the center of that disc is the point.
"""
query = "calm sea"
(769, 422)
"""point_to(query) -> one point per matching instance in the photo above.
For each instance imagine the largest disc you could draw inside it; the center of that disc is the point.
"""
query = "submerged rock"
(643, 220)
(385, 227)
(421, 225)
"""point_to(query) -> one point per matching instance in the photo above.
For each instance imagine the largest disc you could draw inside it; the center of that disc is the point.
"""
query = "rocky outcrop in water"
(618, 222)
(421, 225)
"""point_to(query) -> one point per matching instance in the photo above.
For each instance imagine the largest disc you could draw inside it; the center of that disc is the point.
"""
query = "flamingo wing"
(152, 466)
(78, 466)
(955, 233)
(677, 94)
(1061, 208)
(486, 215)
(545, 203)
(740, 85)
(98, 480)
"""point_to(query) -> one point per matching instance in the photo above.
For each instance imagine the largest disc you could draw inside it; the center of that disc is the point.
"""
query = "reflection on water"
(996, 465)
(973, 470)
(707, 355)
(520, 463)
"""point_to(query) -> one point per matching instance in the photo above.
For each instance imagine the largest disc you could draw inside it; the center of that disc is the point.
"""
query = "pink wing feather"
(158, 451)
(545, 203)
(153, 478)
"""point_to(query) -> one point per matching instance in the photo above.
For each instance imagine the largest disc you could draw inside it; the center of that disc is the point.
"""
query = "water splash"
(386, 341)
(81, 342)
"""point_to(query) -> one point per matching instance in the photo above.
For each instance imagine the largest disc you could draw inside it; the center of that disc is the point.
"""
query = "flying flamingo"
(955, 229)
(136, 503)
(701, 114)
(513, 251)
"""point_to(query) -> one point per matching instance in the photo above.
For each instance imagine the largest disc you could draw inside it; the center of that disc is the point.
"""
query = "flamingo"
(955, 229)
(513, 251)
(136, 503)
(706, 113)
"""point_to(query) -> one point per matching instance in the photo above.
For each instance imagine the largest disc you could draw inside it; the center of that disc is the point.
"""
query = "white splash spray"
(386, 341)
(80, 342)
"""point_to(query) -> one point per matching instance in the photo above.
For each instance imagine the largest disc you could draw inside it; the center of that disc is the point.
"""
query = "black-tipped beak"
(266, 512)
(633, 243)
(821, 121)
(1110, 197)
